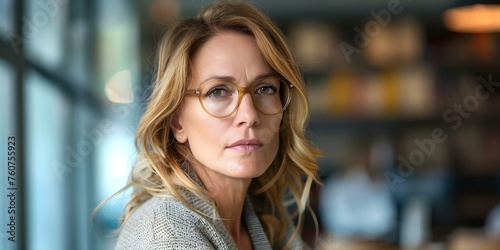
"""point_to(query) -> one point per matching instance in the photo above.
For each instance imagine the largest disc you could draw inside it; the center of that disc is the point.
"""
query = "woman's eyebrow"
(263, 75)
(232, 79)
(219, 77)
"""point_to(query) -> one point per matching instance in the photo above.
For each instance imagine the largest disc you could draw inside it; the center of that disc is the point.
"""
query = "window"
(7, 128)
(6, 18)
(47, 155)
(71, 50)
(44, 26)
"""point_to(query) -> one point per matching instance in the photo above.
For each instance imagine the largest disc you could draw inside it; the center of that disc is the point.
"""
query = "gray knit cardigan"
(167, 223)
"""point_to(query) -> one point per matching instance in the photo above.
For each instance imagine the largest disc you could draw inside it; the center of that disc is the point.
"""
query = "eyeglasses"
(221, 97)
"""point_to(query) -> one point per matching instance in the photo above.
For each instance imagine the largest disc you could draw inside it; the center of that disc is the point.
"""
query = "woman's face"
(244, 144)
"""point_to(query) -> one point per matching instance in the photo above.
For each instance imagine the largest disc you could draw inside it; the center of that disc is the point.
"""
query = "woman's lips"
(246, 145)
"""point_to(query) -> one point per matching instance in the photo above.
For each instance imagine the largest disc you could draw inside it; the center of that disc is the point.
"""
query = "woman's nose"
(247, 113)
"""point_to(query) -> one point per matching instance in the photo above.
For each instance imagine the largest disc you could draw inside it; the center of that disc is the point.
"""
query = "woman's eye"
(267, 90)
(217, 92)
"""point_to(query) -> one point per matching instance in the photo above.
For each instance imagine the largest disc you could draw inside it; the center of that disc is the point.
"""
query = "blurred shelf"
(327, 122)
(326, 71)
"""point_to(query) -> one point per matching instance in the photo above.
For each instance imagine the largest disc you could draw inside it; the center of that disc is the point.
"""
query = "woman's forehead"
(228, 54)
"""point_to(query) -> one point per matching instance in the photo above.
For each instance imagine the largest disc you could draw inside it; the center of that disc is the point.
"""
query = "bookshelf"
(456, 92)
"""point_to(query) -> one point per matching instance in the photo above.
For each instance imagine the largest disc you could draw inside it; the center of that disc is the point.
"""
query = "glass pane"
(48, 157)
(7, 130)
(86, 140)
(115, 157)
(7, 109)
(118, 44)
(43, 28)
(77, 56)
(6, 17)
(114, 160)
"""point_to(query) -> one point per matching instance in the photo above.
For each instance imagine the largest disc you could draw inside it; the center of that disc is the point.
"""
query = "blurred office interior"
(404, 101)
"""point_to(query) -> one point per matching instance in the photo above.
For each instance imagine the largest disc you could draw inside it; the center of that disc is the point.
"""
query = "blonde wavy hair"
(162, 166)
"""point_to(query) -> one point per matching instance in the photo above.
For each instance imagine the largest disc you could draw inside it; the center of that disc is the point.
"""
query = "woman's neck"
(229, 196)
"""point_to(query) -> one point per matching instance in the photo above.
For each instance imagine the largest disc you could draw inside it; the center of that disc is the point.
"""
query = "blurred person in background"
(221, 143)
(493, 222)
(357, 204)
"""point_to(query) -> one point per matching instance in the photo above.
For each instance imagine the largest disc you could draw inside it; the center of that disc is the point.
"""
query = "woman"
(222, 140)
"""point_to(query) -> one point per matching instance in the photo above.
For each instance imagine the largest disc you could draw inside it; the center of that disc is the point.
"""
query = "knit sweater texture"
(167, 223)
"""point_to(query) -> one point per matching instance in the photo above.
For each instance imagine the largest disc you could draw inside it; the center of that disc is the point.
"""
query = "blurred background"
(404, 101)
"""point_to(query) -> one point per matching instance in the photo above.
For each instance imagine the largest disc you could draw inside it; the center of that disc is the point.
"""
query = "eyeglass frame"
(241, 92)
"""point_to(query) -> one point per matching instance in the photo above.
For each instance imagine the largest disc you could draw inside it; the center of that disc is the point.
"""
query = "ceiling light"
(477, 18)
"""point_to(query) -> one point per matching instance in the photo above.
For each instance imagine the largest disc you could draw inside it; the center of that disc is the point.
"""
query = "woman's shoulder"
(160, 208)
(159, 221)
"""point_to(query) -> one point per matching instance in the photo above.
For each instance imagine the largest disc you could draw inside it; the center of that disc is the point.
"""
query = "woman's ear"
(177, 129)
